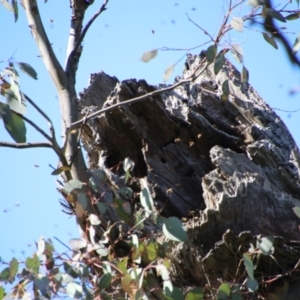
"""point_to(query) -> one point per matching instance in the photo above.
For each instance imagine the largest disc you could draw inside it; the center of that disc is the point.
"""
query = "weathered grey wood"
(233, 163)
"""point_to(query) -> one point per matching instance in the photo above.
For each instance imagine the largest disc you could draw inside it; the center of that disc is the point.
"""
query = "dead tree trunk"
(227, 166)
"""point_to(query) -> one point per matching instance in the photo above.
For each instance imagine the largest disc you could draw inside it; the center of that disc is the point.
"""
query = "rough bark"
(230, 167)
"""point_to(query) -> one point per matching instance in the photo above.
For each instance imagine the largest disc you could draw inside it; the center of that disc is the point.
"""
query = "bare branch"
(288, 111)
(84, 32)
(50, 60)
(25, 145)
(143, 97)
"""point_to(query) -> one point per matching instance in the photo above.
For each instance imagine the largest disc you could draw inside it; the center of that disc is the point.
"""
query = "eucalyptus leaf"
(173, 230)
(211, 53)
(28, 69)
(237, 23)
(168, 72)
(148, 55)
(248, 265)
(270, 40)
(296, 45)
(219, 62)
(275, 14)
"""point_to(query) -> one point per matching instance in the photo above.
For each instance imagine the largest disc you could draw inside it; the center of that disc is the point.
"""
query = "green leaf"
(270, 40)
(2, 293)
(104, 281)
(225, 90)
(252, 284)
(237, 52)
(13, 267)
(101, 207)
(28, 69)
(296, 45)
(15, 9)
(293, 16)
(265, 245)
(175, 294)
(236, 293)
(60, 170)
(138, 220)
(296, 210)
(122, 209)
(146, 200)
(33, 264)
(122, 265)
(148, 55)
(219, 62)
(14, 125)
(74, 290)
(195, 294)
(43, 285)
(173, 230)
(237, 23)
(126, 192)
(151, 251)
(248, 265)
(223, 292)
(211, 53)
(168, 72)
(5, 274)
(275, 14)
(70, 270)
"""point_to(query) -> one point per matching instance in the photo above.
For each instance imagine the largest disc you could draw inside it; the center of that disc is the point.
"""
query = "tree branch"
(50, 60)
(25, 145)
(143, 97)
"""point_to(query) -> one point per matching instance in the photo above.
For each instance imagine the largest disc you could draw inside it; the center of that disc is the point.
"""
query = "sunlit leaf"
(265, 245)
(14, 125)
(270, 40)
(148, 55)
(296, 210)
(275, 14)
(173, 230)
(237, 52)
(13, 267)
(223, 292)
(296, 45)
(256, 3)
(248, 265)
(237, 23)
(72, 185)
(74, 290)
(219, 62)
(33, 264)
(77, 244)
(28, 69)
(211, 53)
(94, 219)
(60, 170)
(41, 246)
(146, 199)
(168, 72)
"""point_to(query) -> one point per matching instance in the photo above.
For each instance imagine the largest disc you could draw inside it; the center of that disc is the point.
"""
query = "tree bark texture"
(230, 168)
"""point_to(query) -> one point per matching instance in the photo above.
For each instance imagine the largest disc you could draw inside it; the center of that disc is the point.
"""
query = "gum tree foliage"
(118, 255)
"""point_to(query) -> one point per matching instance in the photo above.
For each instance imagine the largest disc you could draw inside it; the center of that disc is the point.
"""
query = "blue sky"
(29, 205)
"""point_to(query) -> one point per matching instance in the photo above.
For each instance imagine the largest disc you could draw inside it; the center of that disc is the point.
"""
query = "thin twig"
(37, 108)
(288, 111)
(148, 95)
(25, 145)
(205, 32)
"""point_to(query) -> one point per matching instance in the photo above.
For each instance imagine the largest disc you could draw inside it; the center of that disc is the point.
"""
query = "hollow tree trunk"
(230, 167)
